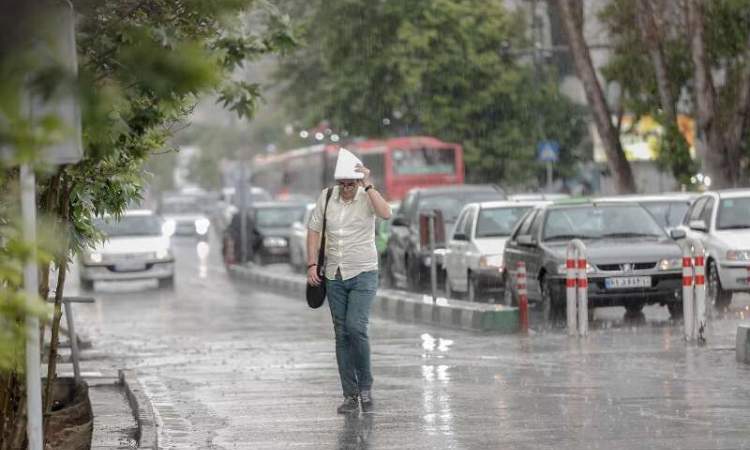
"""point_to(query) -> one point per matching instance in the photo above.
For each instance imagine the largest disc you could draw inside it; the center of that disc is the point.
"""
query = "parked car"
(668, 209)
(632, 261)
(186, 215)
(137, 246)
(298, 240)
(268, 232)
(721, 221)
(474, 256)
(406, 259)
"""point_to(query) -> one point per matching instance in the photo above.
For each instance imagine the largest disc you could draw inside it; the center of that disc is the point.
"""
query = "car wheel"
(413, 276)
(550, 311)
(166, 283)
(87, 285)
(508, 298)
(472, 288)
(715, 294)
(675, 310)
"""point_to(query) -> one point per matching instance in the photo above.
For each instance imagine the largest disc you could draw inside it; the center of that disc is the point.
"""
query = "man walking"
(351, 271)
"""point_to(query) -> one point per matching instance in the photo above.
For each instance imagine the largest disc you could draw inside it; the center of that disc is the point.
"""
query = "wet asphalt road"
(230, 365)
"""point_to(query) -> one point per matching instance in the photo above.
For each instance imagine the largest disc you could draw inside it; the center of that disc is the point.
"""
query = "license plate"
(129, 266)
(627, 282)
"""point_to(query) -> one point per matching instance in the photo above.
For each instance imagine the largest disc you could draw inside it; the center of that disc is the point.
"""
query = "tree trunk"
(710, 142)
(62, 265)
(738, 121)
(652, 37)
(572, 24)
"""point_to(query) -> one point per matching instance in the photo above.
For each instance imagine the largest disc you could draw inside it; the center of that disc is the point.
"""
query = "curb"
(143, 411)
(406, 306)
(743, 343)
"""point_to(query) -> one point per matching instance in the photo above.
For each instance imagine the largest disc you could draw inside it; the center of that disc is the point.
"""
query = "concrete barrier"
(404, 306)
(743, 343)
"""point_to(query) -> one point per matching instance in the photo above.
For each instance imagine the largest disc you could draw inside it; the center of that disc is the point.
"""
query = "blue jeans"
(350, 302)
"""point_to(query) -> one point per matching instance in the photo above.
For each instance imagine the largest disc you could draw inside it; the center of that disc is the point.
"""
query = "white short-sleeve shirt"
(350, 233)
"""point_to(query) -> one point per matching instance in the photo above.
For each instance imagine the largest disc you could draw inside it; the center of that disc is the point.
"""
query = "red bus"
(396, 164)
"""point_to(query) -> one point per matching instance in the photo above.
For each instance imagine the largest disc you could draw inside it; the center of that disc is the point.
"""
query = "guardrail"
(576, 289)
(694, 290)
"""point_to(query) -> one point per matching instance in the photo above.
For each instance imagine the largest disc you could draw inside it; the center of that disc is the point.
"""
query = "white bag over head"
(345, 166)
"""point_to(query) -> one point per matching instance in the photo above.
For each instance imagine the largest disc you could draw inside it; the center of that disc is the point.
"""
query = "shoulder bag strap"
(322, 250)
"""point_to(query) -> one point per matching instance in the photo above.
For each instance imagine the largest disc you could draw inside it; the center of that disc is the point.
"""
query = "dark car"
(632, 261)
(407, 260)
(269, 227)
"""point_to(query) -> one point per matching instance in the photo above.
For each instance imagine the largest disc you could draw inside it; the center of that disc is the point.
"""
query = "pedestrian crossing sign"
(548, 151)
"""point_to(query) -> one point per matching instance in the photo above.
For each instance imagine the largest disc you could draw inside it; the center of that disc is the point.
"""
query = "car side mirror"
(698, 225)
(677, 234)
(525, 239)
(460, 237)
(399, 221)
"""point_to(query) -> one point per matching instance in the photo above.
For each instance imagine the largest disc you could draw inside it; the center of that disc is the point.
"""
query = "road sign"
(548, 151)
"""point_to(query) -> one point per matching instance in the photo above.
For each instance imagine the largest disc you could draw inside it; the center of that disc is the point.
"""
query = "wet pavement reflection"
(230, 365)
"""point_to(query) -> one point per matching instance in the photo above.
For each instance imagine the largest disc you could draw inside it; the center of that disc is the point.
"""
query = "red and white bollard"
(523, 296)
(571, 293)
(694, 290)
(577, 289)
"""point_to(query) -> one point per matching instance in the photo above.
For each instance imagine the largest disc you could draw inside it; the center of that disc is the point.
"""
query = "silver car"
(632, 261)
(721, 221)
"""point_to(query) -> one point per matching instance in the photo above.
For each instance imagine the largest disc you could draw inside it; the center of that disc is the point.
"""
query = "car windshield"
(600, 222)
(498, 221)
(146, 225)
(451, 204)
(734, 213)
(278, 217)
(667, 214)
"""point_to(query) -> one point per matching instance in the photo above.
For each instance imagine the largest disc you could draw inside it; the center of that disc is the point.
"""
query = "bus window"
(423, 161)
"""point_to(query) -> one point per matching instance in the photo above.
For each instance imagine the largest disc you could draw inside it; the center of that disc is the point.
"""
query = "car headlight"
(563, 268)
(163, 253)
(202, 225)
(95, 257)
(670, 263)
(491, 262)
(274, 242)
(738, 255)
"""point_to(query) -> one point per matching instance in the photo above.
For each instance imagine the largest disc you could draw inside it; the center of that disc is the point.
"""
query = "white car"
(185, 215)
(474, 254)
(298, 240)
(721, 221)
(138, 246)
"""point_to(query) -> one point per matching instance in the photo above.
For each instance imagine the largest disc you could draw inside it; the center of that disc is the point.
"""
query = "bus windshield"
(424, 161)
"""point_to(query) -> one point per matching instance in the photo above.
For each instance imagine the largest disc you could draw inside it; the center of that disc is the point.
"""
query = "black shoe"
(366, 399)
(350, 405)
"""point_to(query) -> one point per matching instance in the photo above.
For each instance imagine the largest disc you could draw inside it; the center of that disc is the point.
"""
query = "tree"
(445, 68)
(142, 66)
(722, 113)
(697, 65)
(572, 18)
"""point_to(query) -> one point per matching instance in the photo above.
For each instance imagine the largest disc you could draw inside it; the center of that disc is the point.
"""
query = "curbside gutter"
(405, 306)
(148, 438)
(743, 343)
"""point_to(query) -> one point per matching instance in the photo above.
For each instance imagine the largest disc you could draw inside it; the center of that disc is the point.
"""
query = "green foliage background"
(447, 68)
